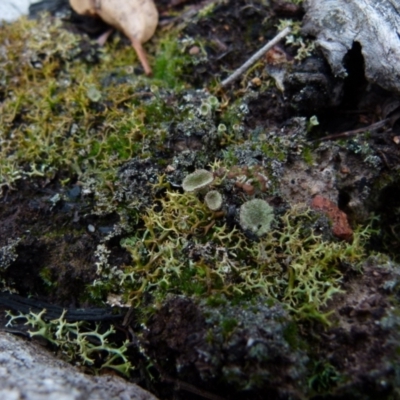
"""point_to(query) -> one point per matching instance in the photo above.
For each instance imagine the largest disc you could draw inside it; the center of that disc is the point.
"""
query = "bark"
(28, 371)
(375, 25)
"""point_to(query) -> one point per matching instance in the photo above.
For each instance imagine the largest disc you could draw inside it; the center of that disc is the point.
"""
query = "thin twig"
(372, 127)
(255, 57)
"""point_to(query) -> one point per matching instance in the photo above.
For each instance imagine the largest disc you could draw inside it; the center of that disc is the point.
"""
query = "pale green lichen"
(305, 47)
(77, 341)
(213, 199)
(197, 180)
(256, 216)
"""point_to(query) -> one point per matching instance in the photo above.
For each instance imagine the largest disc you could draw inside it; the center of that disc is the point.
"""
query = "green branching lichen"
(77, 341)
(72, 113)
(182, 248)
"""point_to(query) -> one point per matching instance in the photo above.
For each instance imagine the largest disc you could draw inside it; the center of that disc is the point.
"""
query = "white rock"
(10, 10)
(30, 372)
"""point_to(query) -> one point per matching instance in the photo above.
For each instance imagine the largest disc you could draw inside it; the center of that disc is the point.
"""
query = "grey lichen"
(197, 180)
(8, 253)
(256, 216)
(213, 200)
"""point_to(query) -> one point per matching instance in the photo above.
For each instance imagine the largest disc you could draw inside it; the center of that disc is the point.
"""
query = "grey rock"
(30, 372)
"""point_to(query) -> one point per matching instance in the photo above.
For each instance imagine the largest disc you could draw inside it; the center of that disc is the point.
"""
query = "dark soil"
(55, 235)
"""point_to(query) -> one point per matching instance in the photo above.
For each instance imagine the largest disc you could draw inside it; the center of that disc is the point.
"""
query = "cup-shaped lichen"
(213, 101)
(205, 109)
(256, 216)
(197, 180)
(221, 128)
(213, 200)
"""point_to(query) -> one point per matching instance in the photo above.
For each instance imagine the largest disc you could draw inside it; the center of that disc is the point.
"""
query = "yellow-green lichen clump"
(70, 106)
(182, 248)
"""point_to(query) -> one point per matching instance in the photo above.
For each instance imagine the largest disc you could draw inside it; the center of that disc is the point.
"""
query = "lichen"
(77, 341)
(8, 253)
(197, 180)
(213, 200)
(78, 118)
(184, 248)
(244, 345)
(256, 216)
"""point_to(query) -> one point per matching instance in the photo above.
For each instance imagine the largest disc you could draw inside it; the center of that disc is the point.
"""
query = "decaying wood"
(375, 25)
(137, 19)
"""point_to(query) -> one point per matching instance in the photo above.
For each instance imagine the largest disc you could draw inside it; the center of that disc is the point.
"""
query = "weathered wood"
(375, 25)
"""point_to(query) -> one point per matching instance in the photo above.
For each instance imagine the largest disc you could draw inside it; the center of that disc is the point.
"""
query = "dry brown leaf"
(137, 19)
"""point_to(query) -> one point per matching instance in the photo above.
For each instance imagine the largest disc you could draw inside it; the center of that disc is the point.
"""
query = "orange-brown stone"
(340, 225)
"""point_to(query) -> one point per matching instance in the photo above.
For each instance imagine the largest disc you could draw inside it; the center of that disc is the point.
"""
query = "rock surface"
(29, 372)
(340, 225)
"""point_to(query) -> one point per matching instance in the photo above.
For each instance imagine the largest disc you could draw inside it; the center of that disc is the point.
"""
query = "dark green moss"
(170, 62)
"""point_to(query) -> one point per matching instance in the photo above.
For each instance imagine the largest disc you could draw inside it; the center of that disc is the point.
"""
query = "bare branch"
(255, 57)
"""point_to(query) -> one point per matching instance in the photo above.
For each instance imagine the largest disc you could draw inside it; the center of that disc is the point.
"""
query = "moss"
(308, 156)
(228, 325)
(47, 276)
(83, 115)
(170, 62)
(50, 119)
(324, 377)
(292, 336)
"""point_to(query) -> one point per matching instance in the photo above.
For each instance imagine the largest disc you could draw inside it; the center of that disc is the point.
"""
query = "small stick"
(255, 57)
(372, 127)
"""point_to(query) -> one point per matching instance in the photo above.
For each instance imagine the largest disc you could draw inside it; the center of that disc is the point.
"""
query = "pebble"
(91, 228)
(194, 50)
(340, 225)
